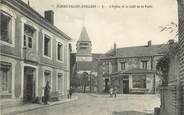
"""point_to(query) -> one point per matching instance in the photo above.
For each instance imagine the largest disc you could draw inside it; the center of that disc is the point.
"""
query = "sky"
(106, 26)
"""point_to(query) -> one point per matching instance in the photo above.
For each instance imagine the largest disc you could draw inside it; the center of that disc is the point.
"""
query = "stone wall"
(181, 47)
(168, 100)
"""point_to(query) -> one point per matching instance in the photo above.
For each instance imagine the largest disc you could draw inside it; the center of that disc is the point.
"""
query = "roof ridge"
(140, 46)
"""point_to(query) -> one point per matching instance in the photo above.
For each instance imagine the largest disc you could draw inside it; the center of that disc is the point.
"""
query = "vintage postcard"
(92, 57)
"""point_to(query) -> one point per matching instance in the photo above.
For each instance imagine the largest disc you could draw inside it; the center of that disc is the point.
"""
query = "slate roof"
(84, 35)
(138, 51)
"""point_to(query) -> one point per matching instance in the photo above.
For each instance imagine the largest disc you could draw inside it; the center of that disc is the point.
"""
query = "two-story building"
(130, 69)
(32, 52)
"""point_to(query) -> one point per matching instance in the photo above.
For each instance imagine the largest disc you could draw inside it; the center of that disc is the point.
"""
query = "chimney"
(28, 3)
(115, 48)
(149, 43)
(115, 45)
(171, 41)
(49, 16)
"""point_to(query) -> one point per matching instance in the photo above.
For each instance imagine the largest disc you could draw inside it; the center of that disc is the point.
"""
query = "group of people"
(113, 92)
(47, 93)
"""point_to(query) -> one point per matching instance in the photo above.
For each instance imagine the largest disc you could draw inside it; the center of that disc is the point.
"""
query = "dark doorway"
(106, 85)
(125, 86)
(29, 85)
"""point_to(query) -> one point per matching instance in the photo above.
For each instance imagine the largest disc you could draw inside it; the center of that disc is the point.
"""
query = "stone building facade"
(32, 52)
(130, 70)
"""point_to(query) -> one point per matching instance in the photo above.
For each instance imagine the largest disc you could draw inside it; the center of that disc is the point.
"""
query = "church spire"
(84, 35)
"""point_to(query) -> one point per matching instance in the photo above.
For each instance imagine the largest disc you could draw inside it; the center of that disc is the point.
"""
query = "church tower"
(84, 47)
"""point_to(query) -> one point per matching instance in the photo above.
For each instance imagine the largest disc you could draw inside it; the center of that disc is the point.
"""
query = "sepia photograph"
(91, 57)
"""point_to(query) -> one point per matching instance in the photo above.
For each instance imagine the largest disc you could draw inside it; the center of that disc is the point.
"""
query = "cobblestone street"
(88, 104)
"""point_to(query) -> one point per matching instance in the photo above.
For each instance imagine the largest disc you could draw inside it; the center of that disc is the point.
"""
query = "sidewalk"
(122, 95)
(30, 107)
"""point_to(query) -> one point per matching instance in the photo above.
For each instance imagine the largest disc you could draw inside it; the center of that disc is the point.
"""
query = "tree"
(163, 68)
(163, 64)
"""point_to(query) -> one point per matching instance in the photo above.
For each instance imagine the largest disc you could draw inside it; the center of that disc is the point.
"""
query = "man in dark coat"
(46, 93)
(70, 91)
(115, 92)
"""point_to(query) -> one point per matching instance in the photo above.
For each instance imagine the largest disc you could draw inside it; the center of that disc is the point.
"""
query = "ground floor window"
(60, 82)
(139, 81)
(5, 78)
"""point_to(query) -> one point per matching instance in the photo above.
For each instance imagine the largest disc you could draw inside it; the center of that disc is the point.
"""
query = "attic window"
(5, 23)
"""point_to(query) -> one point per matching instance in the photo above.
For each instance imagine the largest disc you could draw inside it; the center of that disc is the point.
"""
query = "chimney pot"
(149, 43)
(171, 41)
(49, 16)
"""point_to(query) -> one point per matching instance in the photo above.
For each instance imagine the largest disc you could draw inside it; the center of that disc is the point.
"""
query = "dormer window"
(28, 36)
(145, 65)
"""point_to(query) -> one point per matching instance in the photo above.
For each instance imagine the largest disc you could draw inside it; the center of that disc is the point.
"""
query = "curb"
(121, 95)
(40, 106)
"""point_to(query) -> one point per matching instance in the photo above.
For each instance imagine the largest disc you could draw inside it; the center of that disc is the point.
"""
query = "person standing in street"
(115, 92)
(111, 92)
(70, 92)
(46, 93)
